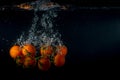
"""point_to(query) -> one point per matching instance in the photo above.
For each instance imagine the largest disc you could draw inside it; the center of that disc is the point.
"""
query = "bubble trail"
(41, 31)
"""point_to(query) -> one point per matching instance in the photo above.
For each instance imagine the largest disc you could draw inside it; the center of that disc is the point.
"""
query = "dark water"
(92, 38)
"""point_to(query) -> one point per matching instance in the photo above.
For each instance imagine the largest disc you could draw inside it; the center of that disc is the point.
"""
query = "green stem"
(37, 58)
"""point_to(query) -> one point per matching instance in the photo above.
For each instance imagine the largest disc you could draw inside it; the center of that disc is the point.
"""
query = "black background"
(92, 38)
(74, 2)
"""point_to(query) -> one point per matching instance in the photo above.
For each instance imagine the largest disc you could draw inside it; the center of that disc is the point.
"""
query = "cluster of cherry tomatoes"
(26, 56)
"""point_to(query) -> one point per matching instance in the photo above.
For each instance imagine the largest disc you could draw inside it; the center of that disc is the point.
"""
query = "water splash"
(42, 30)
(44, 5)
